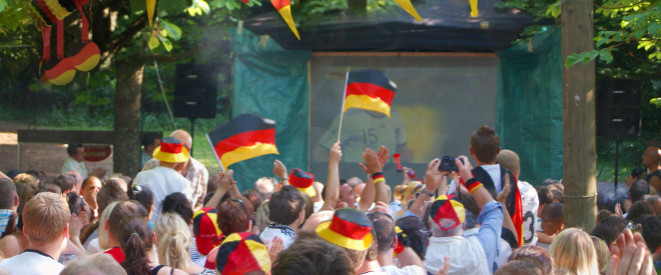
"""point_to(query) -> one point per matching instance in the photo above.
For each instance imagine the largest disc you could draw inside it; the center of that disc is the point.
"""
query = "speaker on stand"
(195, 91)
(618, 111)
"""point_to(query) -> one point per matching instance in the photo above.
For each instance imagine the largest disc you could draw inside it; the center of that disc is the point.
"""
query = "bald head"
(184, 137)
(510, 160)
(652, 156)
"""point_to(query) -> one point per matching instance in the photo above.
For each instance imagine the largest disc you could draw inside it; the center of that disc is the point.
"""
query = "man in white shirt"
(76, 162)
(46, 225)
(163, 180)
(286, 214)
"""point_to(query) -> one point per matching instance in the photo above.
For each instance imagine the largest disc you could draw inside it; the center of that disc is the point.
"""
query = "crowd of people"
(172, 218)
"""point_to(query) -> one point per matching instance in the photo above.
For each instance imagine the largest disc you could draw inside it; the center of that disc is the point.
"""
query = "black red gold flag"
(370, 90)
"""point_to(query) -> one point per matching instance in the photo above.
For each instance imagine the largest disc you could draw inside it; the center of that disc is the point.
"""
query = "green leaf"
(654, 29)
(173, 7)
(656, 101)
(153, 42)
(605, 55)
(3, 4)
(137, 5)
(203, 5)
(166, 42)
(584, 57)
(172, 30)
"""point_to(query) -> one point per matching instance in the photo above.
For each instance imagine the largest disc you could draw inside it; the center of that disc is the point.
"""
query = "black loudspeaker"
(195, 91)
(618, 107)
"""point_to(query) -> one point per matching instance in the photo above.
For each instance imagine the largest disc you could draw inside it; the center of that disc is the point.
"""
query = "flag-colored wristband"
(378, 177)
(472, 185)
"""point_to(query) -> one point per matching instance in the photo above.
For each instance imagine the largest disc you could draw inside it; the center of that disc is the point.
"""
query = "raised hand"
(279, 169)
(335, 153)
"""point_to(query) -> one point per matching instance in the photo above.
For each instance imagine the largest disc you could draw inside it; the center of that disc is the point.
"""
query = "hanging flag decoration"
(86, 54)
(151, 8)
(243, 138)
(408, 7)
(284, 8)
(473, 5)
(370, 90)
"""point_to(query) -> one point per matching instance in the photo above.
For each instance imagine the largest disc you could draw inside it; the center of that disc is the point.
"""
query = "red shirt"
(116, 253)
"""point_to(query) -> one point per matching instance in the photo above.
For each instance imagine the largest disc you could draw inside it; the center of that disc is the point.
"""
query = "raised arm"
(376, 184)
(333, 180)
(280, 171)
(225, 183)
(433, 180)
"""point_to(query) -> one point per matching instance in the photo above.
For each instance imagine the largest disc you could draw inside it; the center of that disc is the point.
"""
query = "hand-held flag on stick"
(244, 137)
(408, 7)
(474, 10)
(370, 90)
(284, 8)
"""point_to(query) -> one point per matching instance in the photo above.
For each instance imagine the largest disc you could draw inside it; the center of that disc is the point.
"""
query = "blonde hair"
(603, 254)
(103, 225)
(173, 237)
(45, 217)
(99, 264)
(573, 253)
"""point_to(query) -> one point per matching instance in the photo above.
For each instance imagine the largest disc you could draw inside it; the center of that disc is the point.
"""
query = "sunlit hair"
(45, 217)
(573, 253)
(603, 254)
(102, 264)
(173, 238)
(103, 225)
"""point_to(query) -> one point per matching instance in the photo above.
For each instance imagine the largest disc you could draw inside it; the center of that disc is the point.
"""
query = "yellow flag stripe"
(247, 152)
(474, 10)
(408, 7)
(366, 102)
(285, 12)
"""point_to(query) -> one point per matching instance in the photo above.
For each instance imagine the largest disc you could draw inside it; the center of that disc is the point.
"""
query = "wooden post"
(578, 101)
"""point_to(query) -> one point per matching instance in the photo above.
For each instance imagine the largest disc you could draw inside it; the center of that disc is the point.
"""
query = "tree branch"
(175, 57)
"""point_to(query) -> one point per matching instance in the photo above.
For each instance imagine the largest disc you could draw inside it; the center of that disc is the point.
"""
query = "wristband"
(425, 192)
(472, 185)
(377, 180)
(377, 174)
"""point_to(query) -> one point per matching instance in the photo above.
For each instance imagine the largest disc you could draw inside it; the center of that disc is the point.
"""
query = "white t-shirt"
(73, 165)
(529, 205)
(32, 262)
(466, 255)
(407, 270)
(286, 233)
(494, 173)
(163, 181)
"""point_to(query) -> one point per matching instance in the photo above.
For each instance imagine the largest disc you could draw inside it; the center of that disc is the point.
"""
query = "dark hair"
(544, 194)
(8, 190)
(485, 144)
(604, 213)
(651, 231)
(254, 197)
(88, 181)
(638, 210)
(534, 254)
(557, 195)
(285, 205)
(553, 212)
(76, 203)
(310, 254)
(123, 212)
(49, 186)
(148, 140)
(178, 203)
(71, 149)
(413, 234)
(384, 230)
(135, 238)
(638, 189)
(609, 228)
(109, 193)
(143, 195)
(519, 267)
(11, 225)
(234, 215)
(65, 182)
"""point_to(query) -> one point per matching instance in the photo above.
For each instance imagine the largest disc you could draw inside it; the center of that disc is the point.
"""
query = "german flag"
(370, 90)
(244, 137)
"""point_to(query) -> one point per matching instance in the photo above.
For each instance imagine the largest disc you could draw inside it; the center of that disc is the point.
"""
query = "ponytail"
(136, 240)
(173, 239)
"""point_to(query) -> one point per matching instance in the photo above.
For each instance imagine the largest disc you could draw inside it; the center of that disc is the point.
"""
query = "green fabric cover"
(529, 109)
(271, 82)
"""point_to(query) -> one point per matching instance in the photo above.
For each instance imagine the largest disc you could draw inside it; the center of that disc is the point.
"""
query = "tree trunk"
(578, 101)
(126, 147)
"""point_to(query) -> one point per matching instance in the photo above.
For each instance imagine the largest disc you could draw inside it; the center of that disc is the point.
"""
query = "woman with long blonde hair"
(573, 253)
(173, 241)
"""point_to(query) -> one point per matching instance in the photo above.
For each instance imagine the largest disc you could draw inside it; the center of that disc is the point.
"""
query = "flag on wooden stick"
(370, 90)
(244, 137)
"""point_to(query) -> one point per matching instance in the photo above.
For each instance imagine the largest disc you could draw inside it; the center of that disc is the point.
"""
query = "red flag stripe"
(349, 229)
(244, 139)
(371, 90)
(279, 4)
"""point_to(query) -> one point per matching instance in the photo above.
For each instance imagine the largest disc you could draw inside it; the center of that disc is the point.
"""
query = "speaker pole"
(617, 153)
(192, 133)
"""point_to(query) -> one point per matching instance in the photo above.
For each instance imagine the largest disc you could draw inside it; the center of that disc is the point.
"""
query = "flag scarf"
(284, 9)
(244, 137)
(370, 90)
